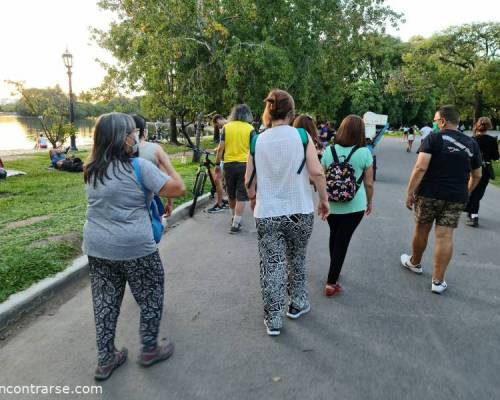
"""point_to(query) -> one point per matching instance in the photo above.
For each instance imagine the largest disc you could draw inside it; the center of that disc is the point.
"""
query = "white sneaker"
(406, 262)
(439, 287)
(271, 331)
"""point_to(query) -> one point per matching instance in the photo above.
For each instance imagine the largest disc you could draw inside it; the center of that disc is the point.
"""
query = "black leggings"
(342, 226)
(478, 193)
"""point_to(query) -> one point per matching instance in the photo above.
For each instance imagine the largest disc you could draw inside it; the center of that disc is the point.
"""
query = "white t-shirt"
(280, 190)
(425, 131)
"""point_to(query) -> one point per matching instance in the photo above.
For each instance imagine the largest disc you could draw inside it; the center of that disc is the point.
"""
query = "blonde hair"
(482, 125)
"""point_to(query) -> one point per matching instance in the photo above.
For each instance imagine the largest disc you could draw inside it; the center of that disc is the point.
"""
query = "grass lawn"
(41, 220)
(496, 167)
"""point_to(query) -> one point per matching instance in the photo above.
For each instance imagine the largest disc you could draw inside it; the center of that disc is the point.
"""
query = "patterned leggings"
(108, 278)
(282, 249)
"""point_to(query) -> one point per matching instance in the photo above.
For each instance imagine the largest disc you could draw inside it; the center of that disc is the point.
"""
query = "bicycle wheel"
(197, 190)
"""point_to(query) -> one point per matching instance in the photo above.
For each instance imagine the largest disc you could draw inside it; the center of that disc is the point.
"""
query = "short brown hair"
(483, 124)
(306, 122)
(279, 105)
(449, 114)
(351, 132)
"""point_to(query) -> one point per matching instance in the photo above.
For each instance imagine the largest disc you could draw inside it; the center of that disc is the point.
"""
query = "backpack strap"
(351, 153)
(304, 138)
(253, 145)
(334, 154)
(137, 171)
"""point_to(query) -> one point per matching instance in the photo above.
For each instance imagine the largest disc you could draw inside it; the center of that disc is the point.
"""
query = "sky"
(35, 33)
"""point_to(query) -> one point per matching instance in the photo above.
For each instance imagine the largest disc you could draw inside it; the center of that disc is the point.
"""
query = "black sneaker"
(215, 209)
(235, 229)
(225, 204)
(295, 313)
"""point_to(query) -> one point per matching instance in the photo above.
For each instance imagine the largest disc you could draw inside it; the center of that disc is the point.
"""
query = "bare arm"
(317, 176)
(250, 188)
(474, 178)
(421, 166)
(220, 152)
(369, 188)
(174, 187)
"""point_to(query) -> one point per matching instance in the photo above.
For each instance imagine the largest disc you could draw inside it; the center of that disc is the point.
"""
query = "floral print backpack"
(341, 183)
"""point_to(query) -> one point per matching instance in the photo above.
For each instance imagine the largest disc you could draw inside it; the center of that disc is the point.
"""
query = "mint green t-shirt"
(360, 160)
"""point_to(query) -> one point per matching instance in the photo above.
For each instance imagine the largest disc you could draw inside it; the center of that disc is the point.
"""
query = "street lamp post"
(68, 63)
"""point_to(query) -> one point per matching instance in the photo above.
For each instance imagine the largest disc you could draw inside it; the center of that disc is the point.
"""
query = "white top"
(280, 190)
(425, 131)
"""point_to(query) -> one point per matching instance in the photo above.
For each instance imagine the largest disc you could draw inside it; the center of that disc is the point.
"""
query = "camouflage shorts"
(445, 213)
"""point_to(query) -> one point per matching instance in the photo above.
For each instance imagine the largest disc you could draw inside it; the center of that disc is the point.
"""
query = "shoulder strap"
(334, 154)
(458, 144)
(253, 145)
(351, 153)
(137, 171)
(304, 138)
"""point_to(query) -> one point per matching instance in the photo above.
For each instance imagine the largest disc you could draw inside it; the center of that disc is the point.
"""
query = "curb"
(23, 302)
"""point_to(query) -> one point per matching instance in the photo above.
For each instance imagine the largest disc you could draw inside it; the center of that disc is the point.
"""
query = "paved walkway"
(386, 337)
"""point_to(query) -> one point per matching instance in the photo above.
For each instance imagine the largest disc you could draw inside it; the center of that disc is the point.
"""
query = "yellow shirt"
(236, 139)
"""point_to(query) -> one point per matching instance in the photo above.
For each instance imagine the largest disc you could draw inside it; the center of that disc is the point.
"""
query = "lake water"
(18, 133)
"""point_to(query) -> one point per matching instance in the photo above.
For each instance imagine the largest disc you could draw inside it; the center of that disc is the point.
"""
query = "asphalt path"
(386, 337)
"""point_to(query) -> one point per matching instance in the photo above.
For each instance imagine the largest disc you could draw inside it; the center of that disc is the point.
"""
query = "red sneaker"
(332, 290)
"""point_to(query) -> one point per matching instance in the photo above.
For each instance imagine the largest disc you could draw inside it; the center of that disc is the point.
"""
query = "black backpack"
(341, 183)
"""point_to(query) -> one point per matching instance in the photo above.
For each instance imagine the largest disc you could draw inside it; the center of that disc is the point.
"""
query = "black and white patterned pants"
(282, 248)
(108, 278)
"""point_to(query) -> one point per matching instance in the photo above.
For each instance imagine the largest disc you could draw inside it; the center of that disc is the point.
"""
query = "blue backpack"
(155, 209)
(304, 138)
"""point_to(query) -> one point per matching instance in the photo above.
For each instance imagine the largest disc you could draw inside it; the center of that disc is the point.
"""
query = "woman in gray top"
(119, 242)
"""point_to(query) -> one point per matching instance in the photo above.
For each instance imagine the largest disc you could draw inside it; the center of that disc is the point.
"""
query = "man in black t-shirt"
(448, 168)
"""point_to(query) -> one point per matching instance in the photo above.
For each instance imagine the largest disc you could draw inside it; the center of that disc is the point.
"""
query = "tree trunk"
(198, 130)
(173, 129)
(478, 105)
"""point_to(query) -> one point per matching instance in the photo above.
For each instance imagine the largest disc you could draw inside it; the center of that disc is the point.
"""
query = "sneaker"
(333, 290)
(215, 209)
(295, 313)
(160, 353)
(438, 287)
(475, 222)
(272, 331)
(235, 228)
(225, 204)
(406, 262)
(104, 372)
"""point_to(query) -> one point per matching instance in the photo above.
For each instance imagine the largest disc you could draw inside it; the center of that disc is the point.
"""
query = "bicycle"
(204, 170)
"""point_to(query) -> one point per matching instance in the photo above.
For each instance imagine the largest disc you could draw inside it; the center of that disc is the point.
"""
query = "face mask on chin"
(435, 127)
(133, 149)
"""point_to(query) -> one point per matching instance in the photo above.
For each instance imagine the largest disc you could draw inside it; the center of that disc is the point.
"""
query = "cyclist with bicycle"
(235, 145)
(218, 122)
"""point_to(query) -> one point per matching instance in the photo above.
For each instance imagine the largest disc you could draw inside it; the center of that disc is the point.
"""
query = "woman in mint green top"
(345, 217)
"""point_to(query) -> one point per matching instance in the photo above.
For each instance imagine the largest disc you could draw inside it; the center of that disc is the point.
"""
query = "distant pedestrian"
(218, 122)
(411, 139)
(346, 212)
(154, 152)
(425, 130)
(489, 151)
(233, 149)
(447, 169)
(306, 122)
(279, 189)
(118, 239)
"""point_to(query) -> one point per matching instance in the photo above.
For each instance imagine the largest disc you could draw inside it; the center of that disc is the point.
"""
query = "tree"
(460, 66)
(192, 55)
(50, 106)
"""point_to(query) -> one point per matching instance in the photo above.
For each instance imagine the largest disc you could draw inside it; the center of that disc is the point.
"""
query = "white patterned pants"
(282, 248)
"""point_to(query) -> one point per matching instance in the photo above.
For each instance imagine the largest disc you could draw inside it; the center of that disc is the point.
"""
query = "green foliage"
(197, 55)
(459, 66)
